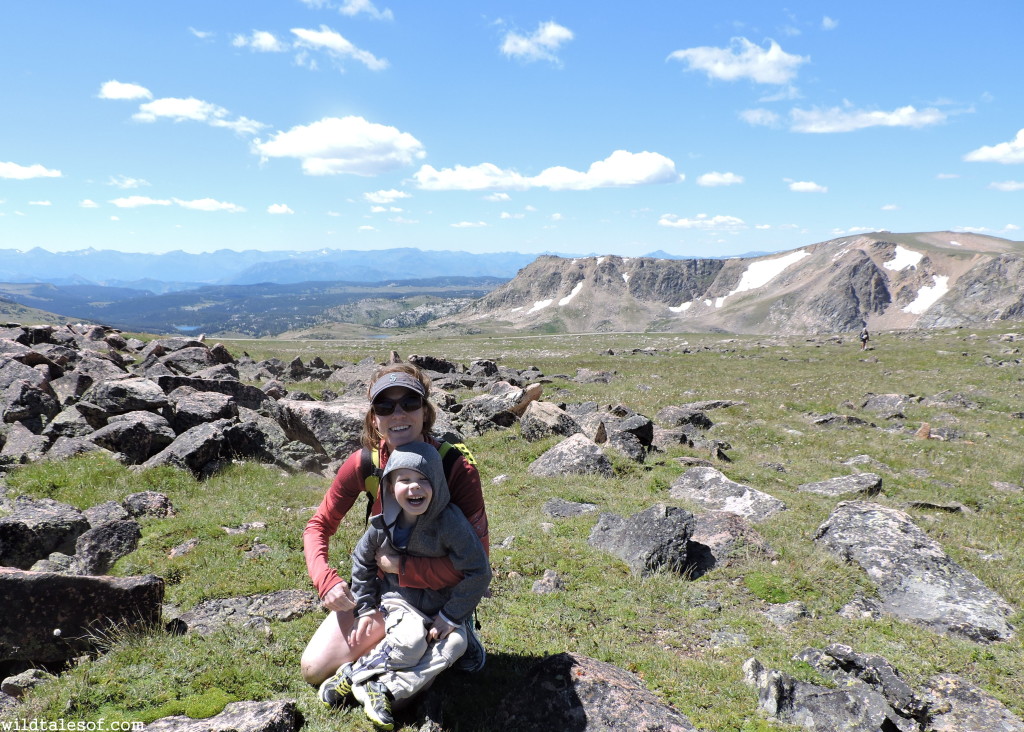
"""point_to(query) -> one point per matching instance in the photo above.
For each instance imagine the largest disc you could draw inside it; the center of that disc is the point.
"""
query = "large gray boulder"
(37, 527)
(193, 449)
(916, 580)
(243, 716)
(245, 395)
(126, 395)
(648, 540)
(573, 455)
(721, 539)
(710, 488)
(98, 548)
(544, 419)
(572, 692)
(193, 408)
(51, 618)
(331, 428)
(136, 435)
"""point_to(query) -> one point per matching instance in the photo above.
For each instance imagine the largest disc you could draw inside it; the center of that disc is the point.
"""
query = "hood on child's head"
(424, 459)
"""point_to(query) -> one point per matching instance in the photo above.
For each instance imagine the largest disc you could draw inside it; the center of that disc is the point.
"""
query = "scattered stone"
(959, 705)
(948, 507)
(868, 484)
(551, 582)
(572, 692)
(184, 548)
(148, 504)
(561, 508)
(916, 580)
(244, 528)
(98, 548)
(17, 685)
(37, 527)
(720, 539)
(544, 419)
(785, 614)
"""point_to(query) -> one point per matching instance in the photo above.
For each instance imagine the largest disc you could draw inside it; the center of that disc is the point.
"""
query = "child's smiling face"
(412, 491)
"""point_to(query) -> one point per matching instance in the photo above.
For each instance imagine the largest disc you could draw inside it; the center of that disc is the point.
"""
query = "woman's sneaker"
(475, 657)
(376, 701)
(336, 689)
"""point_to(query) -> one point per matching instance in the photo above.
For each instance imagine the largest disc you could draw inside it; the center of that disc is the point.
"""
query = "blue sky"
(697, 128)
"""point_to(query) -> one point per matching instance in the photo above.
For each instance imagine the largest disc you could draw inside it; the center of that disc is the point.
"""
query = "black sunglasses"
(384, 407)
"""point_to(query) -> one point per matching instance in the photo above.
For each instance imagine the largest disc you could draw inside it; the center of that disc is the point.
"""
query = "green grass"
(661, 627)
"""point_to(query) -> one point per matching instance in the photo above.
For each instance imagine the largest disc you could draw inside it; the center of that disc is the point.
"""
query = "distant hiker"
(864, 337)
(400, 412)
(425, 628)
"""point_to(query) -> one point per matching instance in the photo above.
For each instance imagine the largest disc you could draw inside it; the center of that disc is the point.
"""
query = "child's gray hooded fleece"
(442, 531)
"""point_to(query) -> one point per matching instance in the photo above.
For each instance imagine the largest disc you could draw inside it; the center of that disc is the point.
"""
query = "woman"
(400, 412)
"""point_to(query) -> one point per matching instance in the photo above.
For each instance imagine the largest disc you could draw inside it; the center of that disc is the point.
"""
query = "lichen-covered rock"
(37, 527)
(252, 611)
(710, 488)
(959, 705)
(863, 483)
(243, 716)
(917, 581)
(575, 454)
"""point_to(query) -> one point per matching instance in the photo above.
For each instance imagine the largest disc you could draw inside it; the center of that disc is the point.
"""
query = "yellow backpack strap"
(369, 466)
(451, 452)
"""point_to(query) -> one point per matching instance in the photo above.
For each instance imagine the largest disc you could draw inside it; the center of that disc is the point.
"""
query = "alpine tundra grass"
(686, 639)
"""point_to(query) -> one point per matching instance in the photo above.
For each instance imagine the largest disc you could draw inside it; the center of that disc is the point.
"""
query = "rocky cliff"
(883, 280)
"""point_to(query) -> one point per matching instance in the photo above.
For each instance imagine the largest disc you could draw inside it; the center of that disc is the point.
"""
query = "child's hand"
(360, 630)
(441, 628)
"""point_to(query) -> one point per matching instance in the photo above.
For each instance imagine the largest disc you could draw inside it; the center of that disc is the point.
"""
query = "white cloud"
(1004, 152)
(118, 90)
(712, 179)
(703, 222)
(621, 168)
(279, 208)
(837, 119)
(334, 146)
(337, 46)
(366, 228)
(209, 204)
(195, 110)
(807, 186)
(262, 41)
(389, 196)
(202, 35)
(1008, 186)
(469, 225)
(890, 207)
(87, 203)
(557, 217)
(507, 215)
(137, 201)
(14, 171)
(947, 176)
(760, 117)
(498, 197)
(115, 218)
(853, 230)
(354, 7)
(828, 23)
(743, 60)
(541, 45)
(123, 181)
(40, 203)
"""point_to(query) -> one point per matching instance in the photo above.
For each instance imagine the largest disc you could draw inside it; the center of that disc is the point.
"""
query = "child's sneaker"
(376, 701)
(336, 689)
(475, 657)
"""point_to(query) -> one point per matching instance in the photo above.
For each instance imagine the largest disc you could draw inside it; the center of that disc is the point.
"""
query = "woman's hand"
(360, 630)
(388, 560)
(339, 598)
(440, 629)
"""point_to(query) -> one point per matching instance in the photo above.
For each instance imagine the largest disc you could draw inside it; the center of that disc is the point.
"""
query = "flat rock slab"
(711, 489)
(867, 484)
(252, 611)
(964, 706)
(573, 692)
(916, 580)
(656, 537)
(243, 716)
